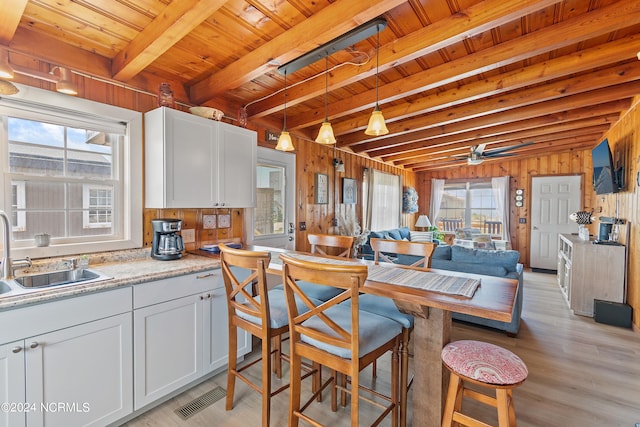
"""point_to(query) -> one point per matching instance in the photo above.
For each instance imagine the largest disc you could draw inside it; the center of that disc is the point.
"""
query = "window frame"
(129, 170)
(467, 186)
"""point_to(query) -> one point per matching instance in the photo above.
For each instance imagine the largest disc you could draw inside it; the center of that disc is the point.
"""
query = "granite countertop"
(125, 268)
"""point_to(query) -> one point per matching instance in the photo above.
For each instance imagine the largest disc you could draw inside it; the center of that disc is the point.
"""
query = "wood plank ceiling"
(452, 73)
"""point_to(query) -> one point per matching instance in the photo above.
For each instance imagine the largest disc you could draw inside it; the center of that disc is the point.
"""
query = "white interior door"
(272, 221)
(553, 199)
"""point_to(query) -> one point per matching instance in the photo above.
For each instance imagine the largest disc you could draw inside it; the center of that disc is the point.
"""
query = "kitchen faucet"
(7, 267)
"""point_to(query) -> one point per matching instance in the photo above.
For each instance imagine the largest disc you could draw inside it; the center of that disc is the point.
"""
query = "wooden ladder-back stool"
(483, 364)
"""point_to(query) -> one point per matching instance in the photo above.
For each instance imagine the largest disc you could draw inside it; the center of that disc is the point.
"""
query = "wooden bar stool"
(487, 365)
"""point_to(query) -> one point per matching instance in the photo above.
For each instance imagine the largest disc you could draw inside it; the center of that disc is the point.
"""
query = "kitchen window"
(74, 169)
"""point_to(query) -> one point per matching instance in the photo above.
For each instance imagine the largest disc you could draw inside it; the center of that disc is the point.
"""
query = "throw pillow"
(421, 236)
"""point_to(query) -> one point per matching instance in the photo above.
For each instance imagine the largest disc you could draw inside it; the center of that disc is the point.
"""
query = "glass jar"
(165, 96)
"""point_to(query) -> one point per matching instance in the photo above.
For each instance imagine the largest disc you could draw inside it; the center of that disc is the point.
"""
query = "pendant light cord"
(326, 89)
(377, 63)
(285, 101)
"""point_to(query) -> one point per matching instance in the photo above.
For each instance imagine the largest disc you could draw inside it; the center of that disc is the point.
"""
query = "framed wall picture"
(349, 191)
(321, 189)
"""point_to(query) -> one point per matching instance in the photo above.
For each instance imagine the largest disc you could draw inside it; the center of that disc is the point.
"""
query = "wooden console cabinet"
(587, 272)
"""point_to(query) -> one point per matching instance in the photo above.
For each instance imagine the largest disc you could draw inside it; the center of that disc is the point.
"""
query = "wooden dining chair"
(263, 314)
(451, 224)
(338, 336)
(386, 307)
(322, 243)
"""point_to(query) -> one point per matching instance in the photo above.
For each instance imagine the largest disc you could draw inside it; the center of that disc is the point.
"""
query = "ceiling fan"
(478, 153)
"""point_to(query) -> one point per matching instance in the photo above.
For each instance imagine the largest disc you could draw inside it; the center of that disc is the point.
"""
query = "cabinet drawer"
(163, 290)
(50, 316)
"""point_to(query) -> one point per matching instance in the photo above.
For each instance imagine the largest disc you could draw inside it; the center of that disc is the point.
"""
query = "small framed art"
(321, 189)
(349, 191)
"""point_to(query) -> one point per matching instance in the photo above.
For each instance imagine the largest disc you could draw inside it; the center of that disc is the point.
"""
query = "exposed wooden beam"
(579, 28)
(511, 131)
(10, 15)
(177, 20)
(330, 22)
(537, 95)
(520, 118)
(476, 19)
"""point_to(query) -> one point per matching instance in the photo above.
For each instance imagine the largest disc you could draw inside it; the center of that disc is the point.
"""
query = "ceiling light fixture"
(377, 126)
(325, 136)
(6, 71)
(284, 141)
(350, 38)
(65, 84)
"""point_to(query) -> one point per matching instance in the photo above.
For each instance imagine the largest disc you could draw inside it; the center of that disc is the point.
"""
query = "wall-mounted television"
(606, 178)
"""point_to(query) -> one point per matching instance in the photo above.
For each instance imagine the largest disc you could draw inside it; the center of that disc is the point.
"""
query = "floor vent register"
(200, 403)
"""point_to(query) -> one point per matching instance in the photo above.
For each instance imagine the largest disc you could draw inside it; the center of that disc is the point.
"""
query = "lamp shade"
(423, 221)
(377, 126)
(325, 136)
(284, 142)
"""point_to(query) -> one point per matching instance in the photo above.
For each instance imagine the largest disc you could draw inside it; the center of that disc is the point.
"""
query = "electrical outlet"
(188, 235)
(303, 226)
(522, 220)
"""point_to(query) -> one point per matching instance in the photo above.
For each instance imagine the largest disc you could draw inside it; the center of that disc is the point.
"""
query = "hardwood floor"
(581, 374)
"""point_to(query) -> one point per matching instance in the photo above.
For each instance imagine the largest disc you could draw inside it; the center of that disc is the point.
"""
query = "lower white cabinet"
(77, 375)
(180, 330)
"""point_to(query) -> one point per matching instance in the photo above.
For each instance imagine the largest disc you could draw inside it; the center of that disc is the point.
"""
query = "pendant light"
(325, 136)
(6, 71)
(284, 141)
(377, 125)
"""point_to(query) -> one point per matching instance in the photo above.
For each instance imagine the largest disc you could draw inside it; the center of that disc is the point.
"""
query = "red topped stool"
(486, 365)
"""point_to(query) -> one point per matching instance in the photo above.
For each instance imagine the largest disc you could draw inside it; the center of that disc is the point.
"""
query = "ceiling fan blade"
(492, 153)
(478, 149)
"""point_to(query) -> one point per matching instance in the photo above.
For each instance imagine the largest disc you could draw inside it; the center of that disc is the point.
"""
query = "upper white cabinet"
(193, 162)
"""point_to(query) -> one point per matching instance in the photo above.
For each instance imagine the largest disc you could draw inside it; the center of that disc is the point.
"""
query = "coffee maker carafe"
(167, 243)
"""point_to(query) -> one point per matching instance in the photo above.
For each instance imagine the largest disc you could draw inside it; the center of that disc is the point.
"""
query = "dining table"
(491, 298)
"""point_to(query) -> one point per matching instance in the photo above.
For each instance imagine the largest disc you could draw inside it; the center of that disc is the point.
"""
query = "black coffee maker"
(167, 244)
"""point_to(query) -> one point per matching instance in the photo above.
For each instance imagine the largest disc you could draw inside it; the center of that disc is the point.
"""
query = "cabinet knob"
(16, 349)
(34, 344)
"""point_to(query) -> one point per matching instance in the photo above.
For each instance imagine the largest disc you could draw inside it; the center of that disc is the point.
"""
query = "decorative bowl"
(207, 112)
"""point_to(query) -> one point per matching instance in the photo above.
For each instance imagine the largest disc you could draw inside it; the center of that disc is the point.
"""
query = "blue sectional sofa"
(478, 261)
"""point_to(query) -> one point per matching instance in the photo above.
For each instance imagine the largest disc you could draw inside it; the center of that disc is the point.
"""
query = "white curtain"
(383, 202)
(367, 198)
(437, 190)
(500, 187)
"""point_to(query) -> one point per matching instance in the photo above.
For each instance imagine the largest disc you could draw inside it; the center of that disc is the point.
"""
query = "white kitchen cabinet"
(587, 272)
(74, 368)
(193, 162)
(180, 330)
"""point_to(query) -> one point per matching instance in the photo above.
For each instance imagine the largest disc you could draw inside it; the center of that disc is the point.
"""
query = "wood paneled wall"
(624, 140)
(312, 158)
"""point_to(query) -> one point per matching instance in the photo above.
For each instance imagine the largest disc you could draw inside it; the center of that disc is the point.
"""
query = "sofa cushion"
(393, 234)
(404, 233)
(442, 252)
(506, 259)
(421, 236)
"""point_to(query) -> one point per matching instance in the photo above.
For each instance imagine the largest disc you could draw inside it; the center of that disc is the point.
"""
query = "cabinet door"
(12, 384)
(237, 166)
(216, 329)
(190, 161)
(81, 375)
(167, 347)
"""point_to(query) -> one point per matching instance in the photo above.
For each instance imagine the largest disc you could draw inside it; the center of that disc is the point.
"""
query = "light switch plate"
(188, 235)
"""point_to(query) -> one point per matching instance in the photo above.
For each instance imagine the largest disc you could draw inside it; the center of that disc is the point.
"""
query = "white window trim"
(130, 172)
(86, 206)
(22, 217)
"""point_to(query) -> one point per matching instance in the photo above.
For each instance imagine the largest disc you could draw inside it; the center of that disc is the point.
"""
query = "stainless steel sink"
(5, 287)
(57, 278)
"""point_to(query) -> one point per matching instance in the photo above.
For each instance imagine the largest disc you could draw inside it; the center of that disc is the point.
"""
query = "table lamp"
(423, 222)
